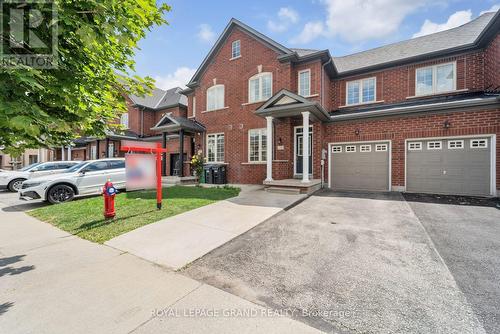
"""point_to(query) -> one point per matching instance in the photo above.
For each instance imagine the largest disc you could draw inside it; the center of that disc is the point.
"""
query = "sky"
(171, 53)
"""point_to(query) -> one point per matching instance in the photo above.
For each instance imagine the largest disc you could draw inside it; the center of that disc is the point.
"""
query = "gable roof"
(171, 123)
(460, 38)
(234, 23)
(161, 99)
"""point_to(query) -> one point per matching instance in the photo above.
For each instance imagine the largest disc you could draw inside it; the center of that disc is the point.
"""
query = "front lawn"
(84, 217)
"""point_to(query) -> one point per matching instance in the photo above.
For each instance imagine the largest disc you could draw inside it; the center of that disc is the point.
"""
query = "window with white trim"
(350, 148)
(124, 120)
(260, 87)
(215, 147)
(194, 106)
(415, 146)
(257, 144)
(361, 91)
(380, 147)
(215, 97)
(305, 83)
(478, 143)
(93, 152)
(434, 145)
(111, 150)
(336, 149)
(236, 49)
(435, 79)
(455, 144)
(365, 148)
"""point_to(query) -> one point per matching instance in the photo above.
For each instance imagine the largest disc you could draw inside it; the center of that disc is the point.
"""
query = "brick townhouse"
(421, 115)
(151, 118)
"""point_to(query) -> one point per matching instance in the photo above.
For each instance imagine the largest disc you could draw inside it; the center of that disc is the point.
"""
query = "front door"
(299, 149)
(175, 164)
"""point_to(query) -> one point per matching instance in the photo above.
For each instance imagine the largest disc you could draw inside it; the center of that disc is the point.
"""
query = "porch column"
(62, 153)
(107, 148)
(164, 154)
(269, 149)
(181, 152)
(69, 153)
(305, 146)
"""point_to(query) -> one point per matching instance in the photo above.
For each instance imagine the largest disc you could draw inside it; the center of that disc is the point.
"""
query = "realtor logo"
(28, 31)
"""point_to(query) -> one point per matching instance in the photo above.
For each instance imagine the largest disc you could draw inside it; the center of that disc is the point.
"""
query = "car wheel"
(15, 184)
(60, 193)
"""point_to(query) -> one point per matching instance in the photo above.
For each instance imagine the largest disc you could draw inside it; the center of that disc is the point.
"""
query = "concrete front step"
(177, 180)
(283, 190)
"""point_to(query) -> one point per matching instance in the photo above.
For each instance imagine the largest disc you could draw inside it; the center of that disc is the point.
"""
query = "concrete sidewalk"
(53, 282)
(177, 241)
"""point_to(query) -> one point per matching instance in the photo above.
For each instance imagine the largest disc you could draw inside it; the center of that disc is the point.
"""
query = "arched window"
(260, 87)
(124, 120)
(215, 97)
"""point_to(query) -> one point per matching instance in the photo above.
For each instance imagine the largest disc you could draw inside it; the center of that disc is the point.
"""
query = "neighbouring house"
(421, 115)
(28, 157)
(159, 117)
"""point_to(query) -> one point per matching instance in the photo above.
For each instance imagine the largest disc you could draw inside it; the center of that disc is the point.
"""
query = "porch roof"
(288, 104)
(171, 123)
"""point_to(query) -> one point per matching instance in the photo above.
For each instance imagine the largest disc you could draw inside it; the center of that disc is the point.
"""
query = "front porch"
(293, 157)
(292, 186)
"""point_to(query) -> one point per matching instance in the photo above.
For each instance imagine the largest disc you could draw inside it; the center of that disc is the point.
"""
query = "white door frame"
(389, 141)
(295, 149)
(492, 137)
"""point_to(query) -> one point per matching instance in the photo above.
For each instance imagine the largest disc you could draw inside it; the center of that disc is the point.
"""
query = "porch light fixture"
(356, 132)
(279, 141)
(446, 124)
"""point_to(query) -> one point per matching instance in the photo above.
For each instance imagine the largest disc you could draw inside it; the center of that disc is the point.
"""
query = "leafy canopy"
(97, 40)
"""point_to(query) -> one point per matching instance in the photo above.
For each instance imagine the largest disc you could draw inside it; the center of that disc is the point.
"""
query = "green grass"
(84, 217)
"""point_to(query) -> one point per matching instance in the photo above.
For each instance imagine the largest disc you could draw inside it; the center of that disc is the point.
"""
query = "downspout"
(322, 82)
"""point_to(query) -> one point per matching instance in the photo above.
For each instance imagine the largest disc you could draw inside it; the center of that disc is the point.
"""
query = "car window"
(45, 167)
(64, 165)
(113, 164)
(27, 168)
(96, 166)
(76, 167)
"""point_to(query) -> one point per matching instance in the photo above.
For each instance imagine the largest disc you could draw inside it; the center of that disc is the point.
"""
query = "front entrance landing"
(177, 241)
(292, 186)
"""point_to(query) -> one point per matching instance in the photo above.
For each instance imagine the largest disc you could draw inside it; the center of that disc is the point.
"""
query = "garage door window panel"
(337, 149)
(479, 143)
(380, 147)
(455, 144)
(350, 149)
(434, 145)
(415, 146)
(365, 148)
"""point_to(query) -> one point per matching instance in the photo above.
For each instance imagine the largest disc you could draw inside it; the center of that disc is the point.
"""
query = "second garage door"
(360, 166)
(457, 166)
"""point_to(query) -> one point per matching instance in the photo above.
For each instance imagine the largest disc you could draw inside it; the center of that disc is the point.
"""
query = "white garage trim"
(389, 186)
(492, 137)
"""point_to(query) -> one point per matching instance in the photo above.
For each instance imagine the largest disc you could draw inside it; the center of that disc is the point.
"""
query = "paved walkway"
(177, 241)
(53, 282)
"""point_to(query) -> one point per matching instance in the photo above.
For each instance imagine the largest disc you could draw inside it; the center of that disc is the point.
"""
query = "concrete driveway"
(348, 263)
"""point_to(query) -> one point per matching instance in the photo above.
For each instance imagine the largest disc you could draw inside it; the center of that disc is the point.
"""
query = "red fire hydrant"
(109, 192)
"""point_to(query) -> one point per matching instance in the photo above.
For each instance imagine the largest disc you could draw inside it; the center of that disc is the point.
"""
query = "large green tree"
(97, 40)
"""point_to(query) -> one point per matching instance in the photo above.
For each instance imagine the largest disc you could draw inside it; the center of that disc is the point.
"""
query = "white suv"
(13, 179)
(86, 178)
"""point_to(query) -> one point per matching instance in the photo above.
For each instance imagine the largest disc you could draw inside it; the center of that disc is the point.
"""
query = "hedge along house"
(420, 115)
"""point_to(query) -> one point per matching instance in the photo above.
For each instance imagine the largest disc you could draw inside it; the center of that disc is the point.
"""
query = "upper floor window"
(124, 120)
(260, 87)
(361, 91)
(215, 97)
(236, 49)
(435, 79)
(305, 83)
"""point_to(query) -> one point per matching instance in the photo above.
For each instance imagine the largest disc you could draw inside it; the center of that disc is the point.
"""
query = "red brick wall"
(492, 65)
(398, 84)
(400, 128)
